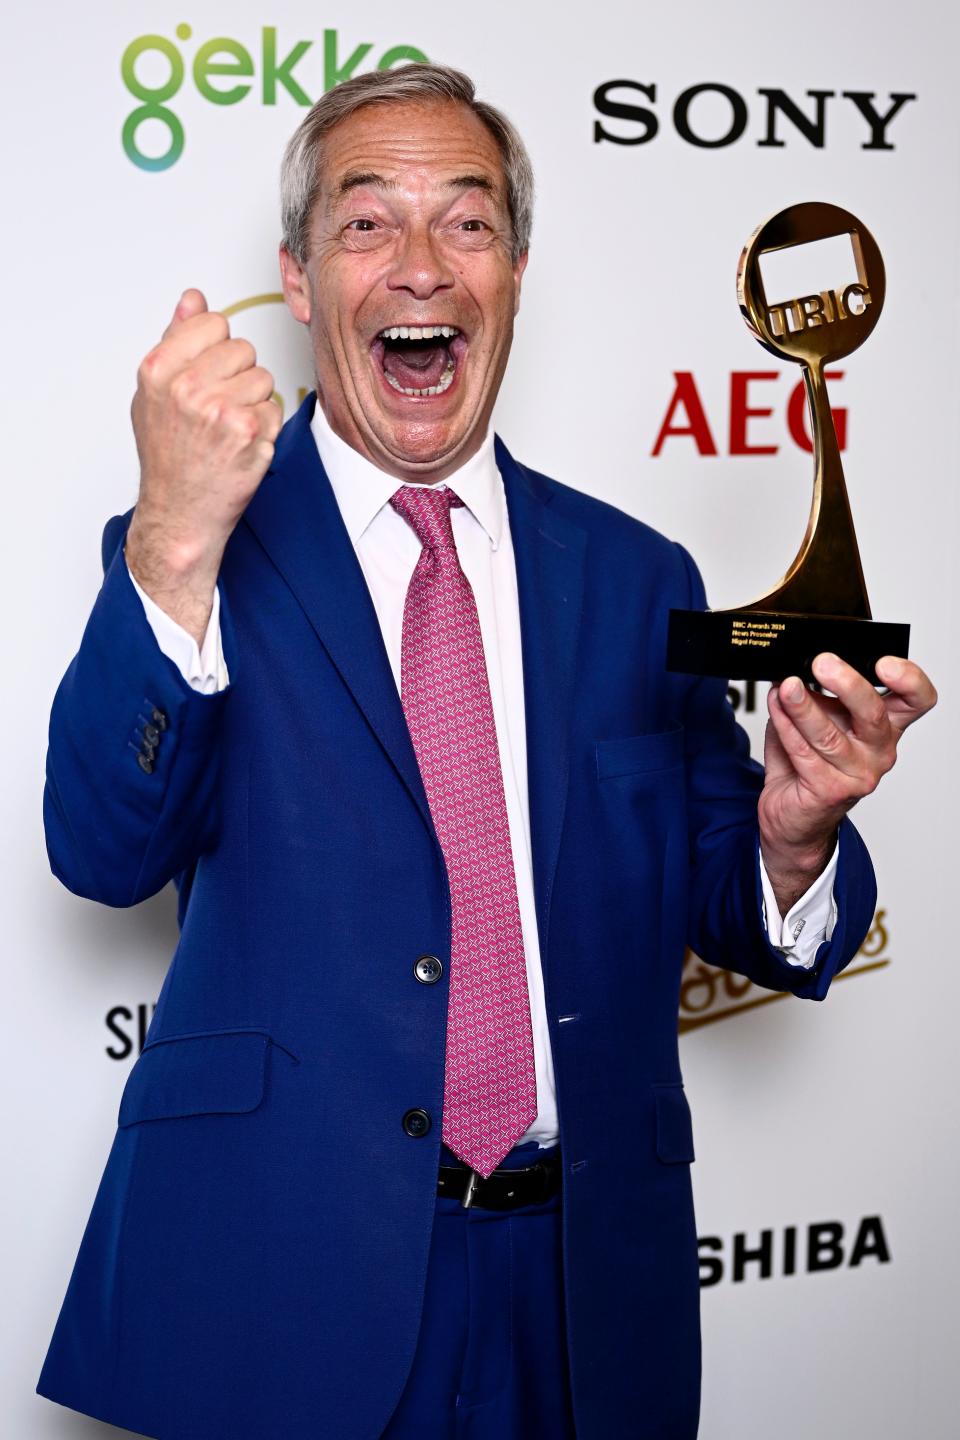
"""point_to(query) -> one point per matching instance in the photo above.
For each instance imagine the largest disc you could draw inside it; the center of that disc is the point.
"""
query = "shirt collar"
(362, 489)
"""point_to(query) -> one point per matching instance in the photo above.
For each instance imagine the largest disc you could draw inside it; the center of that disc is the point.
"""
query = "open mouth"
(419, 360)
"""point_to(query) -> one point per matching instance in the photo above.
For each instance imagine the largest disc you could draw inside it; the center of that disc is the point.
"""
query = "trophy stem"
(826, 577)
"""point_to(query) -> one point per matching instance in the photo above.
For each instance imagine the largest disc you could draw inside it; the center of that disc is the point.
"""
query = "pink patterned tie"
(490, 1091)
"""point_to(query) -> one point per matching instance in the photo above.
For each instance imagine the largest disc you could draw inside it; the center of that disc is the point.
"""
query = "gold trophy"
(821, 602)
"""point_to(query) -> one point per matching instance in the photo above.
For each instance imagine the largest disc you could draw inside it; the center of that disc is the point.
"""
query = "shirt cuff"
(203, 667)
(808, 923)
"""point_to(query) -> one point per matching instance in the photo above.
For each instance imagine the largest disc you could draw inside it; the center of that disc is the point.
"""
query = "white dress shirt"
(387, 550)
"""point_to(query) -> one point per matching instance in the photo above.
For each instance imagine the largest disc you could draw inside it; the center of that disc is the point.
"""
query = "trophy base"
(763, 645)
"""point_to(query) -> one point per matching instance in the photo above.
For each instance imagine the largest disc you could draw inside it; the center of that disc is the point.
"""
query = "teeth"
(444, 383)
(418, 332)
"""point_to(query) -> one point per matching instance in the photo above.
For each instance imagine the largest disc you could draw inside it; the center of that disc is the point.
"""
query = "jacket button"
(151, 734)
(416, 1123)
(145, 762)
(428, 969)
(159, 719)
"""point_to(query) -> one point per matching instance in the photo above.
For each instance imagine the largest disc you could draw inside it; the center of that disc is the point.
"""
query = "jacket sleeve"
(726, 902)
(131, 794)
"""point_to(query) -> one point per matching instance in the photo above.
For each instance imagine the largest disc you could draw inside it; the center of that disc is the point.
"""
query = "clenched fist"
(205, 425)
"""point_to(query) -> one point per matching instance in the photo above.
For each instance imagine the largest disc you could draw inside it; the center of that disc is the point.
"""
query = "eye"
(472, 225)
(362, 223)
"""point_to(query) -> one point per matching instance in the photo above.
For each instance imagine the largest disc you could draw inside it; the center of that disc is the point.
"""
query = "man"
(407, 1150)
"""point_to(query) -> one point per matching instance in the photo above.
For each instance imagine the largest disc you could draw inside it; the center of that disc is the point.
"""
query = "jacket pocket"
(207, 1072)
(637, 753)
(674, 1124)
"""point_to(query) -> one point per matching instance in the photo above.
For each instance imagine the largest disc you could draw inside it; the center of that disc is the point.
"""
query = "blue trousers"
(491, 1360)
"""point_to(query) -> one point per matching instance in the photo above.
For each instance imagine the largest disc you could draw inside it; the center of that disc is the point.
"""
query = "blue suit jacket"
(254, 1261)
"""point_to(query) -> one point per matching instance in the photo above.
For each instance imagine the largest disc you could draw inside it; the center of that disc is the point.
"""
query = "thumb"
(192, 302)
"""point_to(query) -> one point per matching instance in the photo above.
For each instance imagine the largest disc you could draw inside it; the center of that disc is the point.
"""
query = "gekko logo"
(223, 72)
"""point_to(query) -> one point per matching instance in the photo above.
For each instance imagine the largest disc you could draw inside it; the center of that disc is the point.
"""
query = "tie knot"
(427, 512)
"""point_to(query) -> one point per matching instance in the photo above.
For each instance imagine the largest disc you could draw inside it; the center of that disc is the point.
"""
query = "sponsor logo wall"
(146, 161)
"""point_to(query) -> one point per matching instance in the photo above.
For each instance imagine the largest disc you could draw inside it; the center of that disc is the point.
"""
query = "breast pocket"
(640, 754)
(207, 1072)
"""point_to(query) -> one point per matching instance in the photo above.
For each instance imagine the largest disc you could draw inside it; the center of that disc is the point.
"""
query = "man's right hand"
(205, 425)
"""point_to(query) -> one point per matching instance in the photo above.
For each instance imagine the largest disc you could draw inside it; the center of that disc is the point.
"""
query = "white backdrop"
(841, 1114)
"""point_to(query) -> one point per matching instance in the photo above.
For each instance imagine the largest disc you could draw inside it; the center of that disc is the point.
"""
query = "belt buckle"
(470, 1190)
(543, 1174)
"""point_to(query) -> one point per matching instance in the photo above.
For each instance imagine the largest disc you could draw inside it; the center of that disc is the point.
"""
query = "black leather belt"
(503, 1189)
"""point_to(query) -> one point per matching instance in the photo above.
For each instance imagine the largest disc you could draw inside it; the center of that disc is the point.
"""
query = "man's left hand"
(822, 755)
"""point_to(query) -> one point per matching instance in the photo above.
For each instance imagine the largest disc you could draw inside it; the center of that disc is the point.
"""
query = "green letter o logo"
(150, 162)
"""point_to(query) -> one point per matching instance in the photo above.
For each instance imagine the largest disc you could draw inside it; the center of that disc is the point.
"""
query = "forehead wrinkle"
(457, 184)
(411, 138)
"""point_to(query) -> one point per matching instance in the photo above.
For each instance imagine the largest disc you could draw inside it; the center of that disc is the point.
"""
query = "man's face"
(409, 289)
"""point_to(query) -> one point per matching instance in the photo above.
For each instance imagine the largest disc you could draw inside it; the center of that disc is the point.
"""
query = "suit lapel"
(295, 516)
(549, 552)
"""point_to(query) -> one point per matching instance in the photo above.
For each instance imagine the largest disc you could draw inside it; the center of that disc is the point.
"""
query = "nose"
(420, 267)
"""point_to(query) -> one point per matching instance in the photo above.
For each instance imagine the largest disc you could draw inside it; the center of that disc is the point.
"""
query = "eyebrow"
(472, 182)
(355, 178)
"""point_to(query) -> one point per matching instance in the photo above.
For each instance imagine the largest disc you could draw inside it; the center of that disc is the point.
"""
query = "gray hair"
(303, 157)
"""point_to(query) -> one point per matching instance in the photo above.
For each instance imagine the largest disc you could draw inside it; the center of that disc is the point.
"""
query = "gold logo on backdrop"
(289, 394)
(708, 994)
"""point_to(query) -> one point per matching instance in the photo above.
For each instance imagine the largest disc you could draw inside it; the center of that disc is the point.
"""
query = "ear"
(296, 286)
(518, 270)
